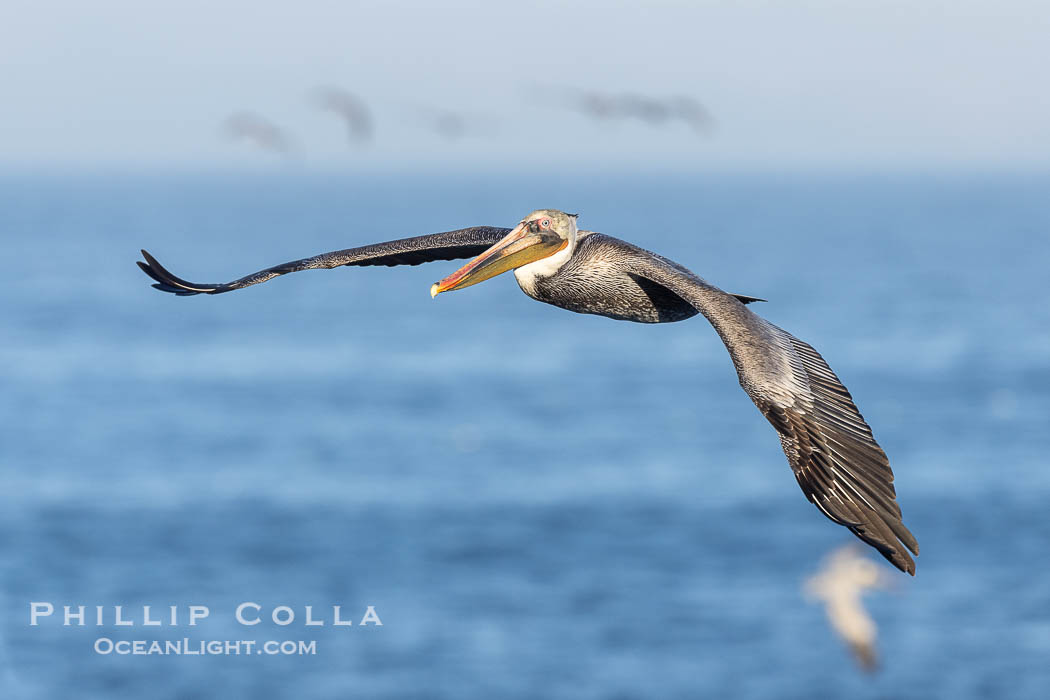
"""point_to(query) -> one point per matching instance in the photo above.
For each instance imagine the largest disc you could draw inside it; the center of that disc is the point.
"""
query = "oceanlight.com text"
(205, 647)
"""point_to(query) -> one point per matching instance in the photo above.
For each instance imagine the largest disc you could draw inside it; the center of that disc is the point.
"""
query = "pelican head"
(545, 235)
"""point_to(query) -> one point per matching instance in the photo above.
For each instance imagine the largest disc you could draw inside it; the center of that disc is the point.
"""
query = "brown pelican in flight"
(838, 464)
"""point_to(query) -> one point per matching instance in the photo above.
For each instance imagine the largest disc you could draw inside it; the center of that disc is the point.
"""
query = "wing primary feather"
(450, 245)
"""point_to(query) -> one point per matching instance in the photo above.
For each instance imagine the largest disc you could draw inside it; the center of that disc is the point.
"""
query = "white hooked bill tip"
(433, 290)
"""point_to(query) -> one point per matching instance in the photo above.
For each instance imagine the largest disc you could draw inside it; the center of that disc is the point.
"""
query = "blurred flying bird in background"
(247, 126)
(451, 125)
(351, 109)
(843, 579)
(652, 111)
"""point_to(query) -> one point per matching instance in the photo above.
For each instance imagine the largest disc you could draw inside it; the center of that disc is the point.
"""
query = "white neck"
(545, 267)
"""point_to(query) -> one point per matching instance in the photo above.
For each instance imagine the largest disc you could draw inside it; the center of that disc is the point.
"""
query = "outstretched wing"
(831, 449)
(451, 245)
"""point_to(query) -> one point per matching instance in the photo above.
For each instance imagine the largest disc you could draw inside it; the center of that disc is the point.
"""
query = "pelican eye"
(546, 223)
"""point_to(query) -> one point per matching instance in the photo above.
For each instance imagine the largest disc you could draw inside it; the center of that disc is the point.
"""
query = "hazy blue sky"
(789, 83)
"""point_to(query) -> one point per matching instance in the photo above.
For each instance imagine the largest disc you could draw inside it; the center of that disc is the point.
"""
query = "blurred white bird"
(841, 582)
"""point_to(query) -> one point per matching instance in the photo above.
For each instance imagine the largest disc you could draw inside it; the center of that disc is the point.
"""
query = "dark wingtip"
(151, 260)
(165, 281)
(158, 282)
(866, 656)
(898, 557)
(148, 270)
(908, 567)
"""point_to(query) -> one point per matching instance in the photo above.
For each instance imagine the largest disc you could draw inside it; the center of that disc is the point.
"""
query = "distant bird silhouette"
(653, 111)
(351, 109)
(453, 126)
(449, 125)
(251, 127)
(841, 582)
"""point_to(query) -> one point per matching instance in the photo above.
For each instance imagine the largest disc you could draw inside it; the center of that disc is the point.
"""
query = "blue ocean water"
(536, 503)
